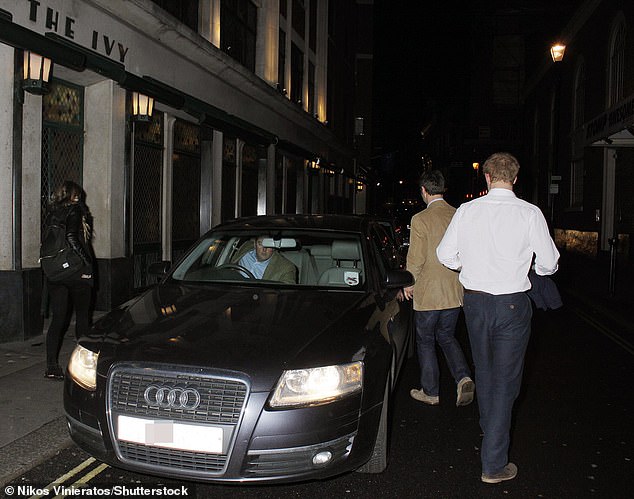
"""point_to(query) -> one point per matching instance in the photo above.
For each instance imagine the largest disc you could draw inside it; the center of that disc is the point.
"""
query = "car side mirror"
(398, 279)
(159, 269)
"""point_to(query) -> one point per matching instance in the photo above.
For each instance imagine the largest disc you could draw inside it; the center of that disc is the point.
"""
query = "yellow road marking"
(66, 476)
(85, 479)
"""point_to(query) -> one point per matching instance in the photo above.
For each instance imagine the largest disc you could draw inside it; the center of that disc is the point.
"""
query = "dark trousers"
(438, 326)
(499, 328)
(65, 297)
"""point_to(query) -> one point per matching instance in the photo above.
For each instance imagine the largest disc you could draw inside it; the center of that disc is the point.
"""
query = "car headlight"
(318, 385)
(82, 367)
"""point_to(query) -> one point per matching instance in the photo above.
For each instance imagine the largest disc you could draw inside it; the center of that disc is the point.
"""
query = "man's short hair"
(433, 182)
(501, 167)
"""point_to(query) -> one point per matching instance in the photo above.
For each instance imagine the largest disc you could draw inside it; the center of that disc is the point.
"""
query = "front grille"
(222, 401)
(172, 458)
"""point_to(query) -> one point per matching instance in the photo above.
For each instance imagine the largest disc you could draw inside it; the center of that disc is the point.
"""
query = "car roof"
(345, 223)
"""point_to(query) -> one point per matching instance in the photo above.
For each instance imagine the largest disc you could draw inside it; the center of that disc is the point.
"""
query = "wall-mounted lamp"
(37, 73)
(475, 165)
(142, 107)
(557, 52)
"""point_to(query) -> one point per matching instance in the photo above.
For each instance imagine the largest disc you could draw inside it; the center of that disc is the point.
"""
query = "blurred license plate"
(170, 434)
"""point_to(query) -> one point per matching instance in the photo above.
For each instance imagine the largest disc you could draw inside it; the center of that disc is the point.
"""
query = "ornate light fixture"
(142, 107)
(37, 73)
(557, 52)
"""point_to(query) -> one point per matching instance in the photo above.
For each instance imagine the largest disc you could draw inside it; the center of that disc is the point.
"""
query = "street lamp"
(37, 73)
(557, 52)
(142, 107)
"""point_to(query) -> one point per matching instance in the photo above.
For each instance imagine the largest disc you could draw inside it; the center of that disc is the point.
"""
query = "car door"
(388, 257)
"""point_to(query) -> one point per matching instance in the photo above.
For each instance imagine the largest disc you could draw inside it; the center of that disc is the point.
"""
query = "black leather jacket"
(73, 216)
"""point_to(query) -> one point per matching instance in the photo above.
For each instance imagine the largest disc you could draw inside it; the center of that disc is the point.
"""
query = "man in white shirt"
(491, 241)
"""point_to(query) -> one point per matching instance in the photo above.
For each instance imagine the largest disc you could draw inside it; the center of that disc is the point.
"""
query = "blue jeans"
(438, 326)
(499, 328)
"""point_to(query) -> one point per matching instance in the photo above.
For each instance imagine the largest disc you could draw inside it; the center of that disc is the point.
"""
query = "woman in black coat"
(67, 207)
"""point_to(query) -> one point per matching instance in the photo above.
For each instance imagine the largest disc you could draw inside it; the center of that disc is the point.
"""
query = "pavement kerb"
(24, 453)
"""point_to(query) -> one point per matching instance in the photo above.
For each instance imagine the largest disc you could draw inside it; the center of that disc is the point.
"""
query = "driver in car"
(268, 264)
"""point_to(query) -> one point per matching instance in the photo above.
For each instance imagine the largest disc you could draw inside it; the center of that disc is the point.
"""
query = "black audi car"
(215, 374)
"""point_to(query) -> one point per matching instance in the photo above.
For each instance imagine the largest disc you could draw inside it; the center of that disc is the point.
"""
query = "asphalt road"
(573, 434)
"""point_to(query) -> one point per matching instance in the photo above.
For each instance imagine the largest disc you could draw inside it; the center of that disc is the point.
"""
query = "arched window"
(616, 61)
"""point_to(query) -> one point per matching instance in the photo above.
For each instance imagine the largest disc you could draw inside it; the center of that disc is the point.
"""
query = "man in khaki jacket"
(437, 296)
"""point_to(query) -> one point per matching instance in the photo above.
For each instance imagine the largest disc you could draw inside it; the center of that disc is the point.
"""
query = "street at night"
(224, 221)
(572, 434)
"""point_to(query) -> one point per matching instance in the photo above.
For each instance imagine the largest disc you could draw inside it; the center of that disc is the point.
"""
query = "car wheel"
(378, 461)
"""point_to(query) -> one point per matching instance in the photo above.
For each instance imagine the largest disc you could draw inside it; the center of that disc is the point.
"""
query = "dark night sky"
(415, 49)
(422, 58)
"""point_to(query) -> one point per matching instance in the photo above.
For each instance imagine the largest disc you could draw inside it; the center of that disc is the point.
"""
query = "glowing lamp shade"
(557, 52)
(142, 106)
(37, 73)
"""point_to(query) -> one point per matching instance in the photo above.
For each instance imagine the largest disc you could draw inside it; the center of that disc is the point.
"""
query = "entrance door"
(146, 198)
(62, 138)
(185, 187)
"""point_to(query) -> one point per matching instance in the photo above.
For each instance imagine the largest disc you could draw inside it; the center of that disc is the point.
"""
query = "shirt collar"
(498, 191)
(433, 201)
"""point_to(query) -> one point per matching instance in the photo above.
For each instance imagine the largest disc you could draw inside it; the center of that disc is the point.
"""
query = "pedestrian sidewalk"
(587, 281)
(31, 406)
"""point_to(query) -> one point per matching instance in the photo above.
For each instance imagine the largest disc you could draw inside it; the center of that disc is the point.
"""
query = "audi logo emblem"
(172, 398)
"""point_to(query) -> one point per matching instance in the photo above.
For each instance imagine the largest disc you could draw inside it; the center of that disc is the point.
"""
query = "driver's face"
(261, 253)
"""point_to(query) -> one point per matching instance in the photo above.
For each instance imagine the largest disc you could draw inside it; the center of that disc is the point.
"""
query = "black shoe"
(54, 372)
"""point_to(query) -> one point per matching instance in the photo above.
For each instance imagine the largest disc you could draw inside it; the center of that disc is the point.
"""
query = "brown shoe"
(508, 473)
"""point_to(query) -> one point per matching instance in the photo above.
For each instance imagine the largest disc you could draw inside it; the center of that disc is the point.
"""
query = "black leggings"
(63, 296)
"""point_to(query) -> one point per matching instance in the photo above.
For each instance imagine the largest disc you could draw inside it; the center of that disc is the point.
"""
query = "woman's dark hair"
(66, 192)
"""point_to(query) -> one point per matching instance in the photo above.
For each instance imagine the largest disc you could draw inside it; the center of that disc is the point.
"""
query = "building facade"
(579, 123)
(255, 104)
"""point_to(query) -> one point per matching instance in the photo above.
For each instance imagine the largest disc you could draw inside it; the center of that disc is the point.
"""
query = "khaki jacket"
(436, 287)
(280, 269)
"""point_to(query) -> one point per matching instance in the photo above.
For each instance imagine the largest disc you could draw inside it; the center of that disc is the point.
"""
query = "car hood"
(254, 330)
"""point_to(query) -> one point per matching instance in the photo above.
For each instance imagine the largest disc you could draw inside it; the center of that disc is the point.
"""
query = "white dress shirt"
(252, 264)
(492, 239)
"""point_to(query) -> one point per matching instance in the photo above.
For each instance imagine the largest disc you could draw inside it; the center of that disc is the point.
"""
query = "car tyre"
(378, 460)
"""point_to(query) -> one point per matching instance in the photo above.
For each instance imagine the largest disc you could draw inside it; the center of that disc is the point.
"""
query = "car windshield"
(280, 258)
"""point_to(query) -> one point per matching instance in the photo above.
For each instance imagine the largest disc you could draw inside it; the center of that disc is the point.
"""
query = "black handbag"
(62, 265)
(58, 260)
